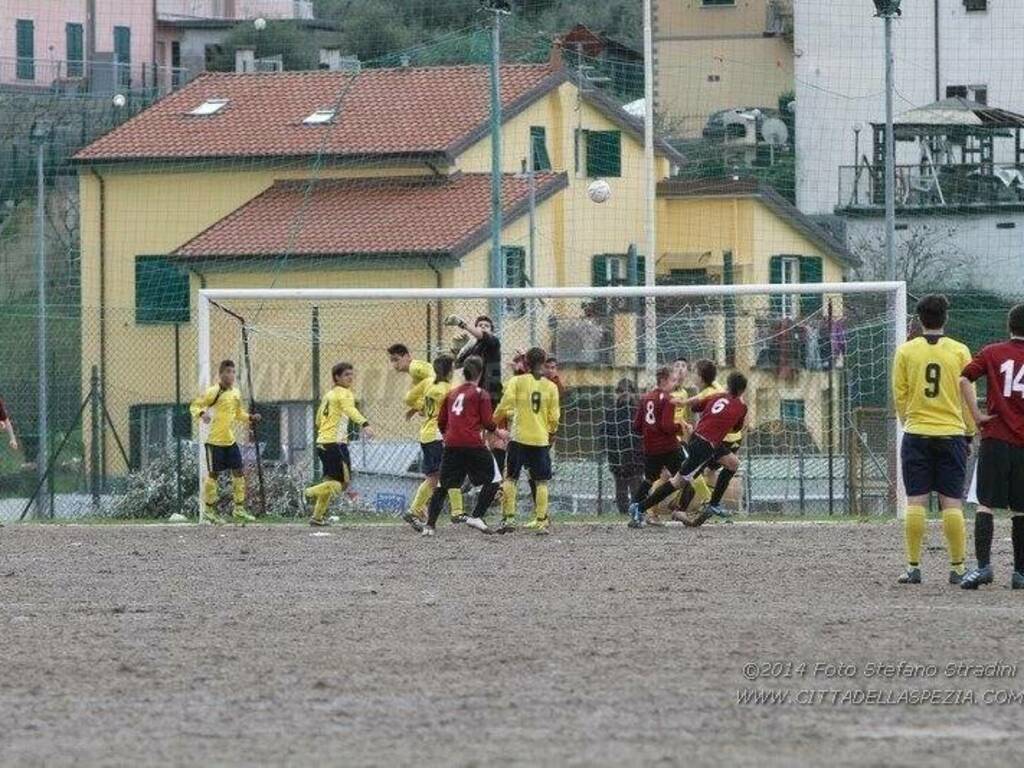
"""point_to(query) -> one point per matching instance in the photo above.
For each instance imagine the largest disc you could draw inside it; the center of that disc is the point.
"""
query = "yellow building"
(712, 55)
(331, 179)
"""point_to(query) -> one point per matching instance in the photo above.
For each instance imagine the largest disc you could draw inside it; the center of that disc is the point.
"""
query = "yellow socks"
(541, 507)
(956, 538)
(421, 499)
(323, 493)
(508, 499)
(455, 501)
(210, 491)
(913, 527)
(238, 491)
(701, 489)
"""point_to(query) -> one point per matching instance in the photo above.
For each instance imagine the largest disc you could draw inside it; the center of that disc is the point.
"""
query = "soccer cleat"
(636, 516)
(537, 526)
(717, 511)
(212, 517)
(319, 522)
(415, 522)
(428, 530)
(695, 518)
(508, 525)
(241, 515)
(457, 519)
(977, 577)
(1017, 580)
(955, 578)
(910, 576)
(478, 523)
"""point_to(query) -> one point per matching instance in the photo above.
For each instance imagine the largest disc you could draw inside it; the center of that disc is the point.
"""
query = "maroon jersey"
(465, 412)
(1003, 367)
(720, 414)
(656, 420)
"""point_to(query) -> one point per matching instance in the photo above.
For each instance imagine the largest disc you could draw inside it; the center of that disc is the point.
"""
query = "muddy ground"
(139, 645)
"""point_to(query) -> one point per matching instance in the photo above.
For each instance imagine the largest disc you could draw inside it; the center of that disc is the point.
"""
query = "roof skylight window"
(320, 117)
(209, 107)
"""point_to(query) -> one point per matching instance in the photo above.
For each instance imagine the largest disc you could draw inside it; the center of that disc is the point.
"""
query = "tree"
(925, 258)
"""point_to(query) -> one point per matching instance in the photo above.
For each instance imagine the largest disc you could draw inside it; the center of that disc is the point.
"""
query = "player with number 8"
(655, 420)
(1001, 458)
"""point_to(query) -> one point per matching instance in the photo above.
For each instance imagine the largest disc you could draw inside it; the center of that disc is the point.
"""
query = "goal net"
(820, 437)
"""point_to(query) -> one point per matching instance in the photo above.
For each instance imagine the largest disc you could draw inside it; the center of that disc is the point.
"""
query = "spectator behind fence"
(622, 445)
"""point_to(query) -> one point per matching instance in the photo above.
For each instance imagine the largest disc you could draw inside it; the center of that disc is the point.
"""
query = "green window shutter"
(268, 431)
(811, 271)
(775, 277)
(640, 273)
(123, 54)
(514, 257)
(75, 48)
(599, 271)
(26, 49)
(135, 437)
(604, 154)
(539, 144)
(161, 292)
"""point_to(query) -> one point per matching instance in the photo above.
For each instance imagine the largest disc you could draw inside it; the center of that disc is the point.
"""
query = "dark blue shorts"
(335, 461)
(430, 462)
(221, 458)
(936, 464)
(536, 459)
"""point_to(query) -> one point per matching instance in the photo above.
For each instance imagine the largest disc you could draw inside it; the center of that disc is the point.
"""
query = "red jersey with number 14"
(656, 420)
(465, 412)
(1003, 367)
(720, 414)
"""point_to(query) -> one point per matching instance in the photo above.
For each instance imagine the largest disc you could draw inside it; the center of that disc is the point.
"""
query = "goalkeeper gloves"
(455, 320)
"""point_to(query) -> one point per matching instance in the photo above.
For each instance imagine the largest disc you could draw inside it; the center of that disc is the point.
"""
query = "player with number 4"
(1001, 458)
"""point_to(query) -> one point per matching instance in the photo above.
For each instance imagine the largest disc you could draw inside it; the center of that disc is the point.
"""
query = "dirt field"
(593, 646)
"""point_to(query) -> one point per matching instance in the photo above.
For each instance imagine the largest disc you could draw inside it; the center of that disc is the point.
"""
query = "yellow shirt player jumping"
(530, 402)
(220, 407)
(933, 455)
(336, 412)
(425, 399)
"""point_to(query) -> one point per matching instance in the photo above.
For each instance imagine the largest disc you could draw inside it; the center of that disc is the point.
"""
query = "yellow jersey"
(926, 386)
(420, 370)
(336, 410)
(714, 389)
(682, 414)
(429, 405)
(531, 404)
(224, 407)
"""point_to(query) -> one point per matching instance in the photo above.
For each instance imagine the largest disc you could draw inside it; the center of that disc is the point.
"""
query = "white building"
(947, 48)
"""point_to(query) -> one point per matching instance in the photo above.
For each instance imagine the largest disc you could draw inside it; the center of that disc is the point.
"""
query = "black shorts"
(936, 464)
(536, 458)
(654, 463)
(475, 463)
(430, 462)
(1001, 475)
(721, 452)
(335, 461)
(220, 458)
(699, 453)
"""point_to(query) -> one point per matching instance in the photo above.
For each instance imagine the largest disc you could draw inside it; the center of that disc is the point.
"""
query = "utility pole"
(887, 10)
(651, 262)
(39, 139)
(497, 267)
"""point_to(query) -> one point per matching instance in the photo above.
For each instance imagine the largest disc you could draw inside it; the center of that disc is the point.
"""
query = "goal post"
(818, 357)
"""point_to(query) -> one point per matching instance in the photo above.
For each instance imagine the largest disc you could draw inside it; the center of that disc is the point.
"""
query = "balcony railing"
(85, 77)
(928, 187)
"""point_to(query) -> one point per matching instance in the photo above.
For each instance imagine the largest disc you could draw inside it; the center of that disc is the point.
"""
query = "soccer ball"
(260, 24)
(599, 191)
(119, 100)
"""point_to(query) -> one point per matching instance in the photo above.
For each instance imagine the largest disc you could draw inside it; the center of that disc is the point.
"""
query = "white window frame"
(209, 107)
(616, 269)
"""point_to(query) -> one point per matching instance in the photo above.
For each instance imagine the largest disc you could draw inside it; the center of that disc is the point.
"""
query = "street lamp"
(886, 10)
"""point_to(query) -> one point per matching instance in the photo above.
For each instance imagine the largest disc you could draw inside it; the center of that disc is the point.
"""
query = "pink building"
(120, 45)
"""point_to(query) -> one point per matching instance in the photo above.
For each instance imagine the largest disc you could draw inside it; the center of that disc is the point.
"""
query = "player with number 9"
(929, 404)
(1001, 458)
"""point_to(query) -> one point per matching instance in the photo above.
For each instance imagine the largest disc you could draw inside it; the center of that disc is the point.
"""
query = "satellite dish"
(775, 132)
